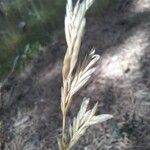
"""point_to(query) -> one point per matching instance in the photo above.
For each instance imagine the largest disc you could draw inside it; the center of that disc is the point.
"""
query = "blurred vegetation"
(26, 25)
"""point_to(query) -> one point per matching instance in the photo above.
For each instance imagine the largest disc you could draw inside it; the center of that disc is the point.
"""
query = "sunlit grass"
(26, 22)
(29, 22)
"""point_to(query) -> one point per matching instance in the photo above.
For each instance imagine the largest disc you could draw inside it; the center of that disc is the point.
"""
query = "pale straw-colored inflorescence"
(76, 75)
(84, 119)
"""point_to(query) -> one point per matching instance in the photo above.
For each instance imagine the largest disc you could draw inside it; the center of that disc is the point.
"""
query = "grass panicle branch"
(84, 120)
(75, 75)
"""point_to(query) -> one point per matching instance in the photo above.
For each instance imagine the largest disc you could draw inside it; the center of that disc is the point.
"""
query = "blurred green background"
(27, 25)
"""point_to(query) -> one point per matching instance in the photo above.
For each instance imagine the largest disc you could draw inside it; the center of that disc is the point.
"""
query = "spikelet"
(81, 77)
(84, 120)
(74, 30)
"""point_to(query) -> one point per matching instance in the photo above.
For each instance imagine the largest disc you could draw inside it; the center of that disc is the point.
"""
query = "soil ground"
(30, 102)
